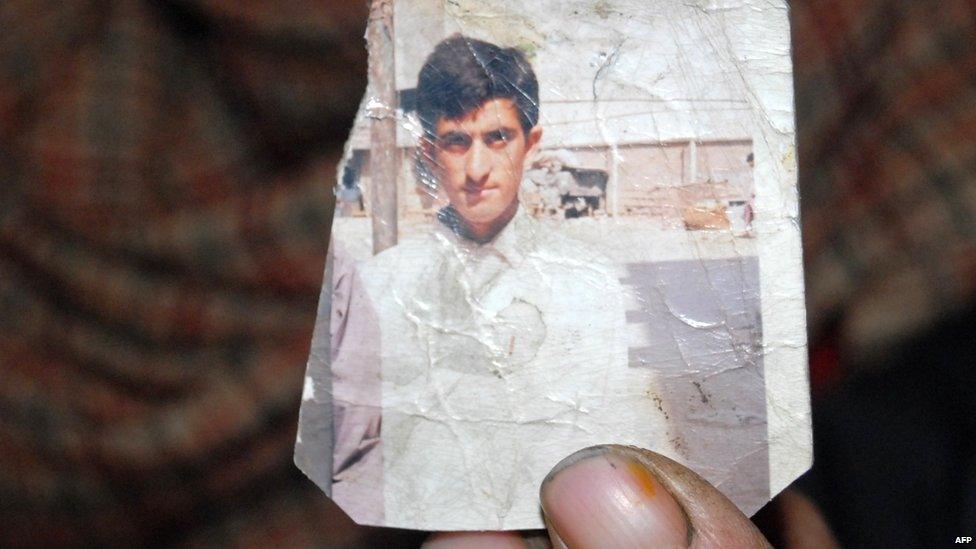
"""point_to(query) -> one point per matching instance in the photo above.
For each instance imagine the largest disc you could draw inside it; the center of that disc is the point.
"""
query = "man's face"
(478, 160)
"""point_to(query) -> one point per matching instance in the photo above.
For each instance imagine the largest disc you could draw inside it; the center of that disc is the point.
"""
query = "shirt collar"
(512, 243)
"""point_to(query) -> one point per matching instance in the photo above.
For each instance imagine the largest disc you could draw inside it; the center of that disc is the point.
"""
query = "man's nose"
(478, 163)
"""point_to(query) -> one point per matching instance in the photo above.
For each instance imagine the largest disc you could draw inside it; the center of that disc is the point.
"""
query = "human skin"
(626, 497)
(478, 160)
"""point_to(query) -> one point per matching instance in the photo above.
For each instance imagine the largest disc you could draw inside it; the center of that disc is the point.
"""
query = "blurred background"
(165, 196)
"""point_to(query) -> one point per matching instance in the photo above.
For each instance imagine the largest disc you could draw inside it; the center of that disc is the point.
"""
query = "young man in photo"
(474, 357)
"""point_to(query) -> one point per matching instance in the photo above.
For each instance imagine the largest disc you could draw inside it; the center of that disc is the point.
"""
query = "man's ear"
(429, 151)
(532, 141)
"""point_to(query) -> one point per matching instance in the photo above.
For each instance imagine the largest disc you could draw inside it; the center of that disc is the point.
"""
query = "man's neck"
(479, 233)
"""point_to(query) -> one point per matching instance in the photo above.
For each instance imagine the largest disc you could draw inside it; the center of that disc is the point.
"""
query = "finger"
(801, 522)
(619, 496)
(475, 540)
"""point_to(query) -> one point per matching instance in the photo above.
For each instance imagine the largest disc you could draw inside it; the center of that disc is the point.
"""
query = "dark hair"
(462, 73)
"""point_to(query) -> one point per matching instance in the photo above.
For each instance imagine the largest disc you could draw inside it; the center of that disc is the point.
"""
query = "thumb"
(621, 496)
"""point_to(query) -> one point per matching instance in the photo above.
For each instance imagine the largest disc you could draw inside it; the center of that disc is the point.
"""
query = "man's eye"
(455, 142)
(498, 138)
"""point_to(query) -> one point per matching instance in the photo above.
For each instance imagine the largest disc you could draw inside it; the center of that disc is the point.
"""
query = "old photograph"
(559, 248)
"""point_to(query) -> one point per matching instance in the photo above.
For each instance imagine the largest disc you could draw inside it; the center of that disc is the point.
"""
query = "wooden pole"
(383, 154)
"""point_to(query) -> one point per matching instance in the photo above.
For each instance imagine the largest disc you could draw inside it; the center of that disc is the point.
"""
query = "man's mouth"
(479, 191)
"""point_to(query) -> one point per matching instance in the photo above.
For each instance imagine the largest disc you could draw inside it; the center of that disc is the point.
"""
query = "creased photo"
(579, 230)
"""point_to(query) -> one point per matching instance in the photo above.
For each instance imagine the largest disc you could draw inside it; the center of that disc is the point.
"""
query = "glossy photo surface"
(581, 230)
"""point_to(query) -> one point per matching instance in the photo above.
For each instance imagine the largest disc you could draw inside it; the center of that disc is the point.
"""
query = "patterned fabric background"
(164, 212)
(885, 97)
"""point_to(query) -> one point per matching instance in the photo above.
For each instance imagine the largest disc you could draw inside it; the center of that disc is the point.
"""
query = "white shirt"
(496, 361)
